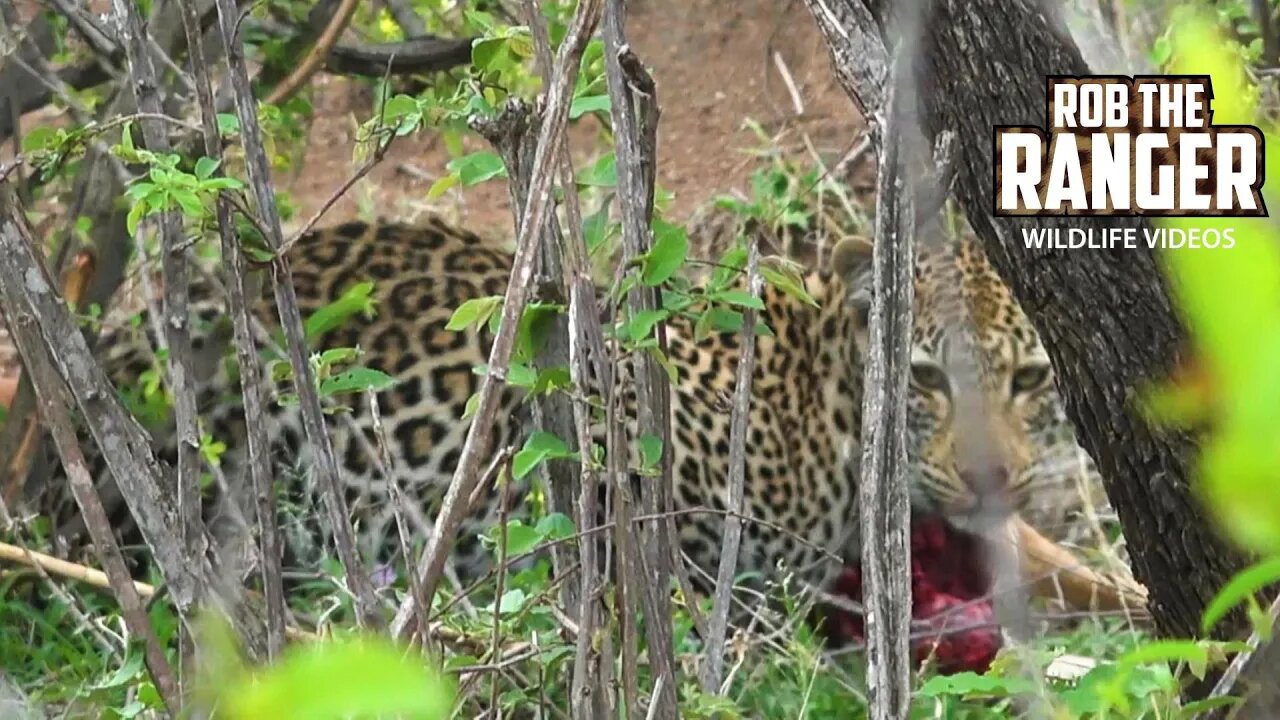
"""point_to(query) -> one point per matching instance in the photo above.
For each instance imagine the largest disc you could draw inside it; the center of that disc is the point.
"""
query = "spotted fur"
(804, 428)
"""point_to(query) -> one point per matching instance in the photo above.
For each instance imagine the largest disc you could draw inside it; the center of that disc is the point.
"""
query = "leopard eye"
(1030, 378)
(928, 376)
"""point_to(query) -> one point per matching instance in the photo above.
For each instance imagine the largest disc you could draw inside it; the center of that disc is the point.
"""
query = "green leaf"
(588, 104)
(969, 684)
(335, 356)
(602, 173)
(355, 301)
(222, 183)
(673, 375)
(724, 319)
(132, 710)
(521, 538)
(1161, 51)
(1201, 708)
(740, 298)
(138, 192)
(556, 378)
(1195, 655)
(513, 601)
(132, 220)
(1241, 587)
(518, 375)
(228, 124)
(41, 137)
(670, 248)
(487, 51)
(189, 202)
(650, 451)
(475, 311)
(455, 662)
(641, 325)
(205, 167)
(399, 106)
(595, 227)
(441, 186)
(477, 167)
(126, 672)
(540, 446)
(556, 526)
(342, 678)
(789, 281)
(356, 380)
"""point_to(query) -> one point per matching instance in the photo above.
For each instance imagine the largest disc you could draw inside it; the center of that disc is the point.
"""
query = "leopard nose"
(986, 481)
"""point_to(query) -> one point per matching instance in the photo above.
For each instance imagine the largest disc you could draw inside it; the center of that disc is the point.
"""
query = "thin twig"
(431, 563)
(315, 57)
(260, 478)
(504, 479)
(713, 661)
(326, 466)
(177, 320)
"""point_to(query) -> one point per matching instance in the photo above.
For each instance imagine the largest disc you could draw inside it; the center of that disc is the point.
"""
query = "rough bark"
(430, 566)
(28, 296)
(368, 612)
(1105, 317)
(634, 113)
(883, 501)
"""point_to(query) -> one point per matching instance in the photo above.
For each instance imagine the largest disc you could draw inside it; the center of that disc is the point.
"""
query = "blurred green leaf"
(363, 677)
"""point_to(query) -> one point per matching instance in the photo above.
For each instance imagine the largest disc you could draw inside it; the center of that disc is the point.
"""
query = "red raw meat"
(952, 612)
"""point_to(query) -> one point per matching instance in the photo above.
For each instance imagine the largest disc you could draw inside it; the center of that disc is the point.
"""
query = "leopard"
(804, 427)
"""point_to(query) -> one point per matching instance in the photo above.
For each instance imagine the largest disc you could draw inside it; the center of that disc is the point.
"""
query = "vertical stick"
(326, 465)
(246, 351)
(884, 504)
(713, 664)
(645, 566)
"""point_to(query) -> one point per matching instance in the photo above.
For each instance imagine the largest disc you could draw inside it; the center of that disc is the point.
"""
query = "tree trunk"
(1105, 317)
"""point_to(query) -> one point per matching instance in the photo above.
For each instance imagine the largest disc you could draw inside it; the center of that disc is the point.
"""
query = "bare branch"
(315, 57)
(326, 467)
(415, 55)
(883, 501)
(246, 356)
(28, 439)
(26, 290)
(431, 563)
(713, 662)
(53, 406)
(146, 91)
(646, 566)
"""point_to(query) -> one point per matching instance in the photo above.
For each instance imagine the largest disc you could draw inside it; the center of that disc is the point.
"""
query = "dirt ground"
(716, 65)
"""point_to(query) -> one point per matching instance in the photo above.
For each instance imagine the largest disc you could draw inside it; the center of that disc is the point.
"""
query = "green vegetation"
(63, 646)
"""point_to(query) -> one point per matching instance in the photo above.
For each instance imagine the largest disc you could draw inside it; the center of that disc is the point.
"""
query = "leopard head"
(984, 421)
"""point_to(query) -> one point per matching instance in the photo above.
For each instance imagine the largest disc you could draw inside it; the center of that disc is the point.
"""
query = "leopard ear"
(851, 262)
(852, 257)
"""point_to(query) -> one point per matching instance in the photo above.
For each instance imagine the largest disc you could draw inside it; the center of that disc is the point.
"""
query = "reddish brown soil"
(714, 66)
